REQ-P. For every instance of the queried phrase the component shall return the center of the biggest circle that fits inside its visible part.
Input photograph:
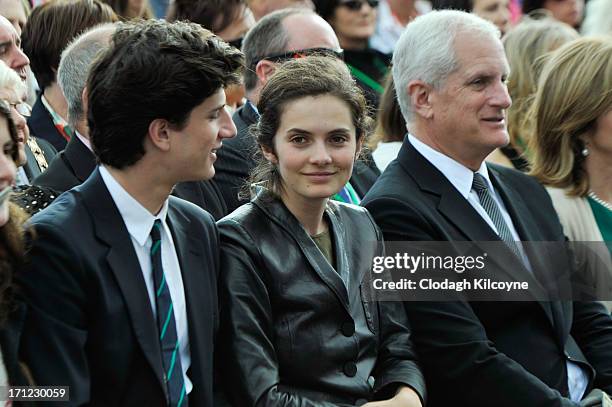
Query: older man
(450, 73)
(277, 37)
(73, 165)
(121, 283)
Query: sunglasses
(301, 53)
(356, 5)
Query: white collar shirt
(139, 222)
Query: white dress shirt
(462, 177)
(139, 222)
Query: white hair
(425, 51)
(597, 21)
(75, 63)
(9, 79)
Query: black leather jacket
(292, 333)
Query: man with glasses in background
(277, 37)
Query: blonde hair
(524, 44)
(575, 89)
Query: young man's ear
(419, 93)
(160, 134)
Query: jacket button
(350, 369)
(348, 328)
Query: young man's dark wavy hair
(153, 70)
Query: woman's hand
(405, 397)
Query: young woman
(11, 255)
(299, 327)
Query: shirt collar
(138, 220)
(459, 175)
(84, 140)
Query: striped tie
(479, 184)
(168, 339)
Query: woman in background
(572, 144)
(390, 128)
(354, 22)
(567, 11)
(11, 256)
(495, 11)
(524, 45)
(300, 328)
(129, 9)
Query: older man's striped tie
(168, 338)
(479, 184)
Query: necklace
(600, 201)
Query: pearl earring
(585, 152)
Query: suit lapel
(459, 212)
(194, 283)
(523, 221)
(80, 158)
(124, 265)
(277, 211)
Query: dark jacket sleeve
(592, 330)
(464, 356)
(396, 363)
(55, 330)
(250, 363)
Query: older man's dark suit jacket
(490, 353)
(90, 325)
(41, 125)
(32, 168)
(236, 161)
(73, 166)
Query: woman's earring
(585, 152)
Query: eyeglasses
(22, 108)
(356, 5)
(301, 53)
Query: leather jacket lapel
(279, 213)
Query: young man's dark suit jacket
(235, 161)
(41, 125)
(90, 325)
(490, 353)
(73, 166)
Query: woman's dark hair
(296, 79)
(463, 5)
(11, 234)
(121, 8)
(530, 5)
(326, 8)
(390, 122)
(153, 70)
(52, 26)
(214, 15)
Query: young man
(122, 279)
